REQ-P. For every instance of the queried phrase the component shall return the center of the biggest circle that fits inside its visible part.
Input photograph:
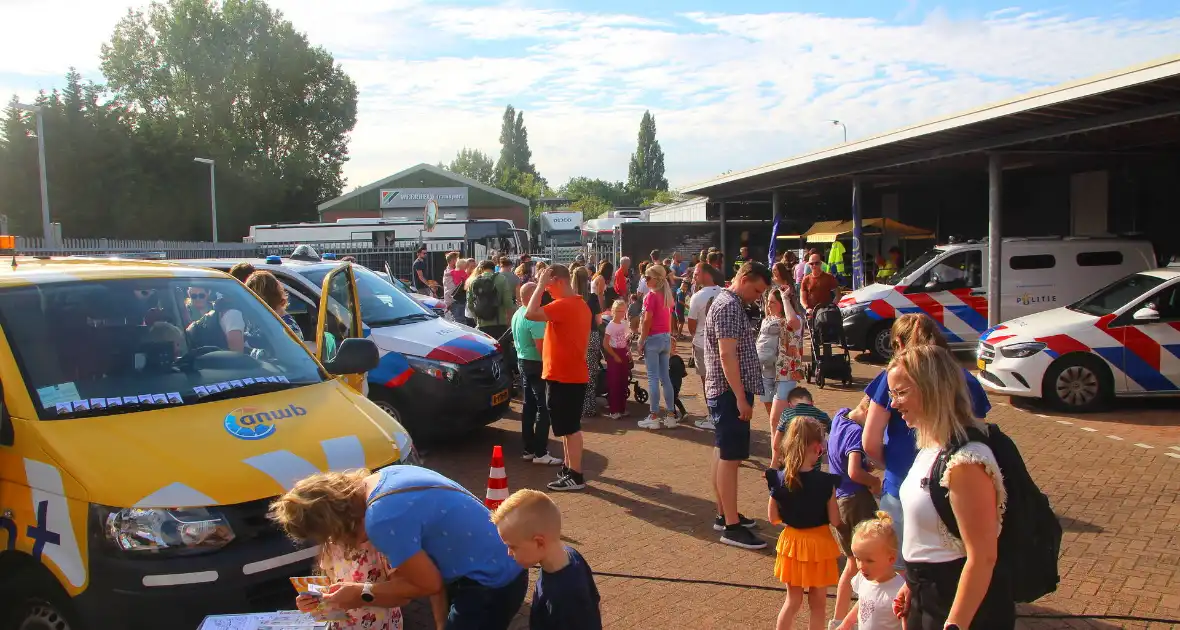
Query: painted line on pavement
(1175, 455)
(1175, 448)
(1142, 445)
(1041, 415)
(1115, 437)
(1089, 429)
(1064, 422)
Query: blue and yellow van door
(339, 318)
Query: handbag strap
(420, 489)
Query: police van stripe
(175, 495)
(54, 526)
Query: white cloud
(729, 91)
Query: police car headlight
(167, 531)
(1022, 350)
(849, 311)
(437, 369)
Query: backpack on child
(1030, 539)
(485, 298)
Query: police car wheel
(1078, 383)
(388, 408)
(880, 341)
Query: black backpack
(485, 298)
(1030, 539)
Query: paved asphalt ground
(645, 521)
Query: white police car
(1122, 340)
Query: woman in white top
(951, 582)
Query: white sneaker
(650, 422)
(706, 424)
(614, 416)
(527, 457)
(548, 460)
(671, 421)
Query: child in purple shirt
(855, 493)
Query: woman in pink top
(656, 341)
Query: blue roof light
(274, 260)
(329, 256)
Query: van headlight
(853, 309)
(165, 531)
(1022, 350)
(441, 370)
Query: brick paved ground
(1113, 479)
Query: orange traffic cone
(497, 480)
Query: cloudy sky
(732, 84)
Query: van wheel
(881, 341)
(1077, 383)
(388, 408)
(30, 607)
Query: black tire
(35, 605)
(640, 394)
(1078, 383)
(879, 341)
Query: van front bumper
(248, 575)
(1011, 377)
(856, 330)
(432, 408)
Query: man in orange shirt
(622, 282)
(563, 366)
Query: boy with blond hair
(565, 597)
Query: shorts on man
(732, 434)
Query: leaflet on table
(291, 620)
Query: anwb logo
(254, 423)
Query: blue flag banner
(772, 250)
(858, 259)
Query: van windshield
(1114, 296)
(913, 266)
(382, 304)
(103, 347)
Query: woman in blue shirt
(435, 534)
(886, 437)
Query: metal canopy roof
(1073, 118)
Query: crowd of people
(902, 562)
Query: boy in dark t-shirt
(565, 597)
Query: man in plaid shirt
(733, 376)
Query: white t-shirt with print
(875, 602)
(618, 334)
(232, 320)
(925, 538)
(697, 310)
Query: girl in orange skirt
(803, 498)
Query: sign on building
(417, 197)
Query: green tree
(614, 193)
(646, 171)
(235, 82)
(475, 164)
(514, 144)
(592, 207)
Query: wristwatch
(367, 595)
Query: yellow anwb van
(142, 438)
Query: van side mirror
(354, 356)
(1146, 314)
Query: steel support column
(858, 259)
(995, 182)
(722, 246)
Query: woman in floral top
(365, 564)
(788, 365)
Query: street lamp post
(842, 126)
(46, 227)
(212, 192)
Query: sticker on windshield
(114, 402)
(65, 407)
(221, 387)
(174, 398)
(247, 381)
(160, 399)
(98, 403)
(130, 400)
(282, 379)
(54, 394)
(81, 405)
(145, 399)
(201, 391)
(235, 384)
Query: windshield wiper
(253, 389)
(403, 319)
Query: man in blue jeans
(733, 376)
(528, 337)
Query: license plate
(981, 364)
(499, 397)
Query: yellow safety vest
(836, 256)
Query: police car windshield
(102, 347)
(382, 304)
(913, 266)
(1112, 297)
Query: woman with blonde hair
(580, 283)
(951, 582)
(655, 339)
(887, 440)
(266, 286)
(454, 547)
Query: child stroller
(636, 389)
(827, 328)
